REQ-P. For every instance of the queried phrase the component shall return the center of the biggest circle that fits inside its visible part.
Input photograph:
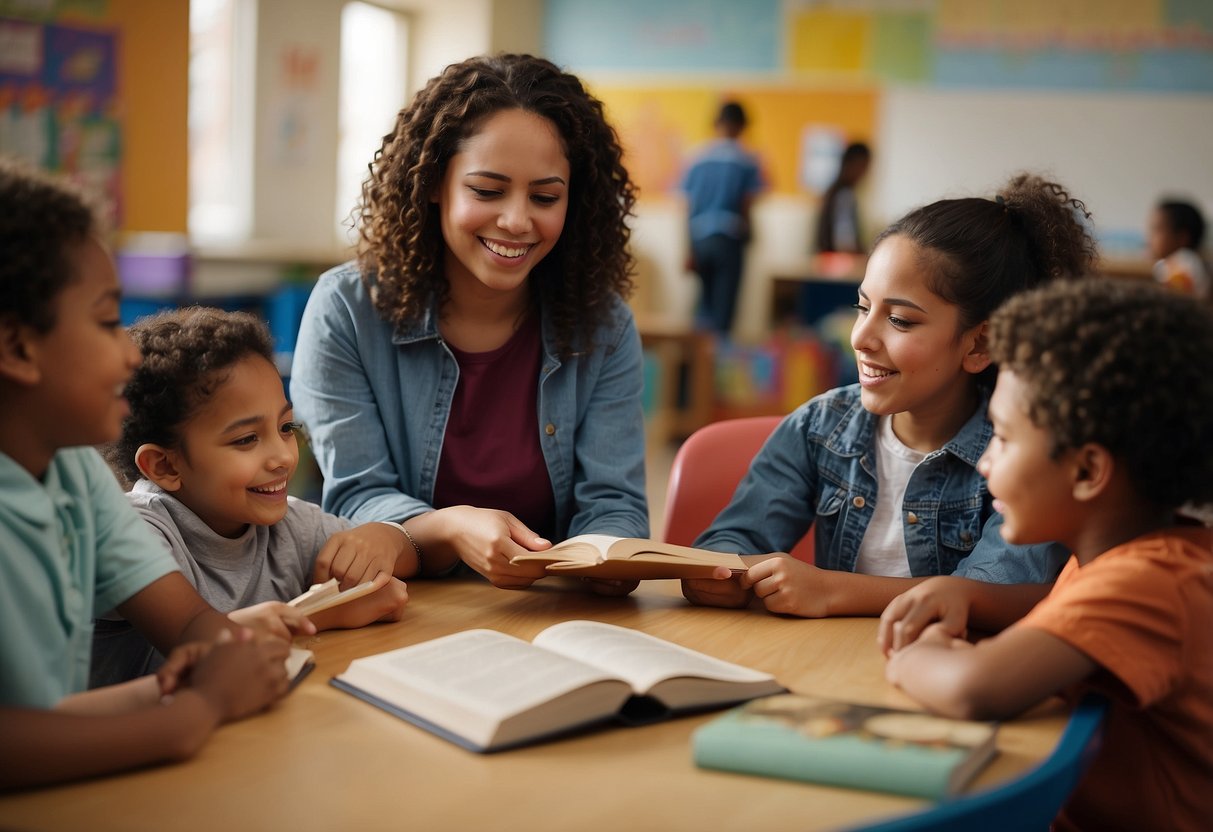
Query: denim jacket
(819, 468)
(375, 401)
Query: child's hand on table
(942, 599)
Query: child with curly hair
(208, 449)
(1102, 430)
(884, 471)
(70, 545)
(476, 374)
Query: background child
(210, 446)
(1176, 232)
(720, 185)
(884, 470)
(1102, 429)
(70, 543)
(476, 374)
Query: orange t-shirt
(1144, 613)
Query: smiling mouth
(503, 250)
(872, 371)
(276, 488)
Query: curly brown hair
(43, 221)
(1120, 363)
(401, 245)
(186, 353)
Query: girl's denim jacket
(375, 402)
(819, 468)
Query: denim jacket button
(911, 518)
(549, 429)
(858, 502)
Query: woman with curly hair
(475, 374)
(884, 471)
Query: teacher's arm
(335, 398)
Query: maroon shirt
(491, 456)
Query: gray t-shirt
(266, 563)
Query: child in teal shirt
(70, 543)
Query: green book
(799, 737)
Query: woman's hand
(486, 539)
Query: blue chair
(1030, 802)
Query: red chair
(705, 473)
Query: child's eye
(247, 439)
(291, 427)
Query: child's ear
(977, 357)
(17, 354)
(1093, 468)
(158, 464)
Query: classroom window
(222, 37)
(374, 66)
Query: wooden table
(325, 760)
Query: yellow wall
(660, 126)
(153, 87)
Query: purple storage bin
(153, 275)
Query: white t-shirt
(883, 551)
(1185, 272)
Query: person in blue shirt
(884, 472)
(720, 186)
(476, 374)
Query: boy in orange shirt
(1103, 420)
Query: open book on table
(845, 744)
(485, 690)
(629, 558)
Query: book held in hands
(799, 737)
(629, 558)
(485, 690)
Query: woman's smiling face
(503, 201)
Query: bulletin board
(58, 108)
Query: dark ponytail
(978, 252)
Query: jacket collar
(855, 432)
(426, 329)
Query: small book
(836, 743)
(299, 663)
(322, 596)
(485, 690)
(629, 558)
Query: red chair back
(705, 473)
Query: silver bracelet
(416, 548)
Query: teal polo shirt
(70, 547)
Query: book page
(483, 671)
(578, 550)
(641, 659)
